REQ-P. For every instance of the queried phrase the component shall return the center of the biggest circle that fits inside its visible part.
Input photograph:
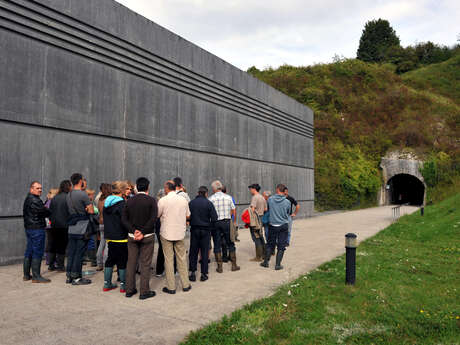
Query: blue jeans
(289, 230)
(35, 243)
(75, 251)
(277, 237)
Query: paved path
(61, 314)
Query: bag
(245, 217)
(92, 227)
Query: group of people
(126, 219)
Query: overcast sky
(296, 32)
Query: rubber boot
(51, 260)
(122, 274)
(224, 253)
(233, 259)
(256, 258)
(108, 279)
(268, 254)
(60, 262)
(36, 277)
(219, 262)
(279, 258)
(27, 263)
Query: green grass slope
(407, 292)
(442, 78)
(362, 110)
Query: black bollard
(422, 210)
(350, 245)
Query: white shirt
(173, 211)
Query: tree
(377, 37)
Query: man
(174, 212)
(266, 194)
(59, 232)
(80, 208)
(292, 213)
(180, 188)
(258, 206)
(202, 219)
(139, 217)
(225, 208)
(34, 212)
(280, 209)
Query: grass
(407, 292)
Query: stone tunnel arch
(402, 181)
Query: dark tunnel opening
(406, 189)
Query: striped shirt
(223, 203)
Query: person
(180, 189)
(59, 230)
(266, 194)
(223, 244)
(51, 194)
(116, 235)
(139, 218)
(80, 208)
(174, 212)
(92, 242)
(280, 209)
(258, 206)
(34, 212)
(203, 215)
(225, 207)
(102, 250)
(292, 214)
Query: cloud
(296, 32)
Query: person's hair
(285, 189)
(281, 187)
(202, 190)
(119, 187)
(90, 191)
(32, 183)
(177, 181)
(106, 190)
(216, 185)
(76, 178)
(142, 184)
(255, 186)
(52, 193)
(170, 185)
(267, 192)
(184, 189)
(64, 186)
(224, 189)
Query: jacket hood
(278, 198)
(111, 201)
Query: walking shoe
(187, 288)
(166, 290)
(147, 295)
(131, 293)
(81, 281)
(192, 276)
(204, 277)
(110, 288)
(233, 259)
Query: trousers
(199, 241)
(143, 251)
(35, 243)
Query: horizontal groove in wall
(144, 65)
(216, 153)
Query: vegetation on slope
(400, 296)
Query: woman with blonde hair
(116, 235)
(105, 192)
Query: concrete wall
(90, 86)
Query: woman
(116, 235)
(106, 190)
(51, 194)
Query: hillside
(362, 110)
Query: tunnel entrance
(405, 188)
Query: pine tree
(375, 40)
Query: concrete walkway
(61, 314)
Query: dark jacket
(203, 213)
(34, 212)
(59, 211)
(113, 227)
(140, 213)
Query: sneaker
(81, 281)
(69, 280)
(147, 295)
(112, 287)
